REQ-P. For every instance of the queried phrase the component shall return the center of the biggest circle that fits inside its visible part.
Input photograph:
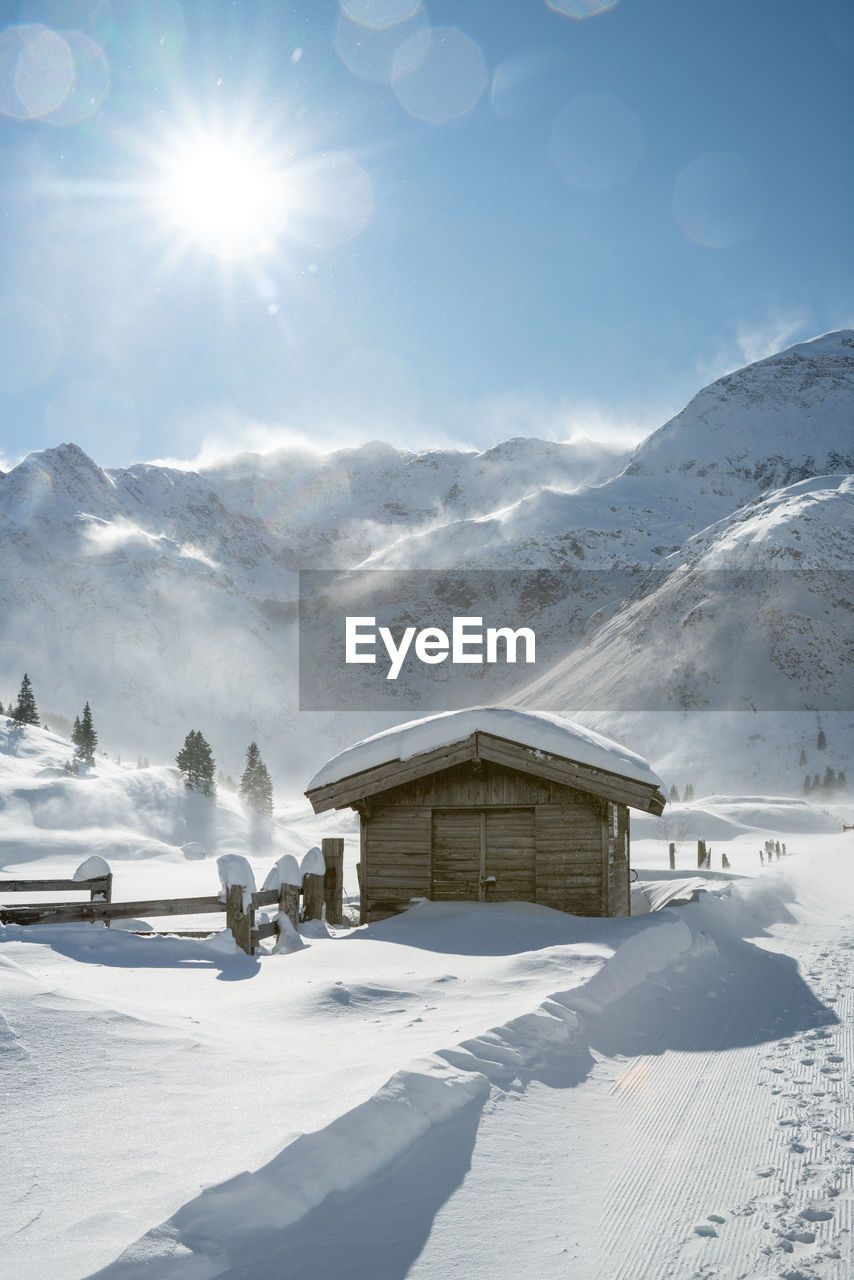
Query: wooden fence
(319, 893)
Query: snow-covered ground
(490, 1090)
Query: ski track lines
(754, 1146)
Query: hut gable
(491, 804)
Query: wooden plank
(265, 898)
(240, 922)
(333, 880)
(289, 902)
(79, 912)
(571, 773)
(269, 929)
(98, 885)
(312, 897)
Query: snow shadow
(89, 944)
(375, 1231)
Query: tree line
(195, 759)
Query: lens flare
(597, 142)
(379, 14)
(60, 77)
(718, 200)
(581, 8)
(439, 75)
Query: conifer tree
(803, 759)
(196, 762)
(26, 711)
(84, 737)
(674, 794)
(807, 785)
(256, 789)
(821, 741)
(689, 793)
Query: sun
(223, 193)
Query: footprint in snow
(814, 1214)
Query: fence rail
(320, 893)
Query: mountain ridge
(168, 596)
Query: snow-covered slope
(756, 617)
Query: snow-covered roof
(537, 729)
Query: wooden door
(510, 856)
(456, 855)
(486, 854)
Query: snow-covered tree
(196, 762)
(674, 794)
(807, 785)
(25, 710)
(256, 789)
(689, 793)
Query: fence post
(333, 880)
(672, 852)
(289, 902)
(312, 897)
(240, 922)
(103, 895)
(701, 852)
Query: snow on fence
(318, 881)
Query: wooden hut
(491, 804)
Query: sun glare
(223, 194)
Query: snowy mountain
(775, 422)
(167, 597)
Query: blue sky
(225, 225)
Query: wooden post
(672, 852)
(332, 848)
(701, 853)
(240, 922)
(103, 895)
(724, 862)
(312, 897)
(362, 904)
(289, 902)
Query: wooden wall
(545, 843)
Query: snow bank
(719, 817)
(234, 869)
(538, 729)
